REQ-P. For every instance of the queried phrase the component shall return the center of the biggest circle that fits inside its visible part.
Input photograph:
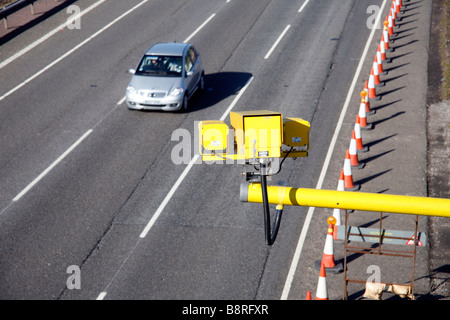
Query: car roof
(169, 49)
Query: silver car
(165, 78)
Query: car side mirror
(189, 73)
(132, 71)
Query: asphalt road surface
(82, 176)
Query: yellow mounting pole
(347, 200)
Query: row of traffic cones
(345, 183)
(369, 94)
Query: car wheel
(185, 103)
(201, 83)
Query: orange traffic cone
(380, 61)
(359, 144)
(337, 216)
(322, 293)
(348, 177)
(383, 49)
(341, 184)
(354, 161)
(391, 27)
(328, 251)
(398, 10)
(371, 86)
(363, 116)
(393, 13)
(376, 74)
(364, 94)
(386, 38)
(308, 295)
(337, 211)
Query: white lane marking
(72, 50)
(186, 171)
(225, 114)
(199, 28)
(121, 101)
(168, 197)
(277, 42)
(172, 191)
(48, 35)
(54, 164)
(301, 240)
(303, 6)
(101, 296)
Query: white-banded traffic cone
(391, 28)
(363, 114)
(354, 161)
(341, 183)
(321, 292)
(337, 211)
(380, 61)
(328, 260)
(337, 216)
(376, 74)
(365, 94)
(371, 86)
(393, 14)
(386, 39)
(349, 185)
(382, 47)
(397, 10)
(359, 143)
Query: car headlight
(177, 91)
(131, 90)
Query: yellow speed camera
(253, 135)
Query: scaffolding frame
(379, 250)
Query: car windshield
(162, 66)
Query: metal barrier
(16, 6)
(381, 238)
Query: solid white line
(303, 6)
(278, 41)
(54, 164)
(168, 197)
(71, 50)
(48, 35)
(199, 28)
(301, 240)
(186, 171)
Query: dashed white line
(54, 164)
(186, 170)
(303, 6)
(277, 42)
(121, 101)
(199, 28)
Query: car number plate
(154, 102)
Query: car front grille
(152, 94)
